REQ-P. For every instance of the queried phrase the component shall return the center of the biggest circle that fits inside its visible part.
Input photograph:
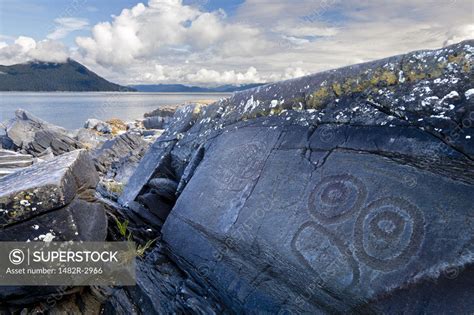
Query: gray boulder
(157, 161)
(118, 158)
(163, 111)
(32, 135)
(98, 125)
(54, 200)
(155, 122)
(348, 191)
(50, 201)
(164, 187)
(90, 138)
(160, 118)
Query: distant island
(48, 77)
(181, 88)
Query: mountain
(180, 88)
(46, 76)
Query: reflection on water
(71, 109)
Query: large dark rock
(164, 187)
(155, 122)
(160, 118)
(78, 221)
(32, 135)
(162, 288)
(50, 201)
(345, 191)
(157, 161)
(117, 158)
(45, 186)
(163, 111)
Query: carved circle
(336, 197)
(388, 232)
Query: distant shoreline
(70, 110)
(118, 92)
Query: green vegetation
(123, 230)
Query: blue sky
(209, 42)
(35, 18)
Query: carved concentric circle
(336, 197)
(388, 233)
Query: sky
(216, 42)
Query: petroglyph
(317, 248)
(388, 232)
(335, 198)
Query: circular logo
(16, 256)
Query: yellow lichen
(117, 125)
(318, 98)
(337, 88)
(389, 78)
(414, 76)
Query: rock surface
(98, 125)
(348, 191)
(32, 135)
(10, 162)
(160, 117)
(157, 161)
(117, 158)
(52, 200)
(162, 288)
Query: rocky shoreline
(347, 191)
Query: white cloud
(169, 42)
(165, 28)
(66, 25)
(226, 77)
(458, 34)
(26, 49)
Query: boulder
(162, 288)
(348, 191)
(155, 122)
(164, 187)
(163, 111)
(70, 223)
(157, 159)
(90, 138)
(5, 142)
(118, 126)
(98, 125)
(157, 205)
(52, 200)
(32, 135)
(160, 117)
(118, 158)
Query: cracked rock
(347, 191)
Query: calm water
(71, 110)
